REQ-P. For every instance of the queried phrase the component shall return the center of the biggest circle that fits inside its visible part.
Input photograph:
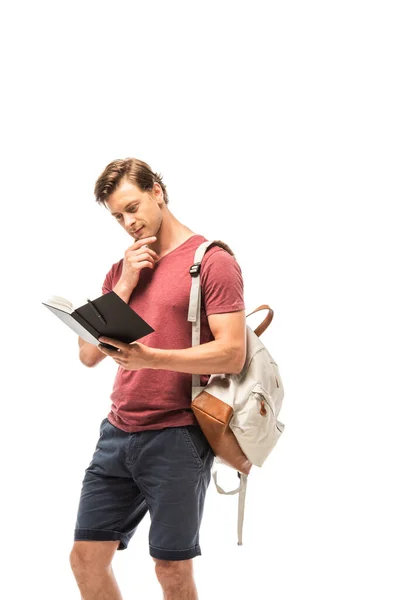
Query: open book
(107, 316)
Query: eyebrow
(127, 206)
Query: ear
(158, 193)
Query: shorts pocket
(197, 443)
(103, 423)
(103, 427)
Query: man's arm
(137, 257)
(225, 354)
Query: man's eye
(130, 209)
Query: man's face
(139, 213)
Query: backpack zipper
(264, 401)
(263, 410)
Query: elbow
(88, 361)
(239, 361)
(90, 355)
(239, 368)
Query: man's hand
(129, 356)
(137, 257)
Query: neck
(171, 234)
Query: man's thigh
(111, 505)
(173, 471)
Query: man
(152, 455)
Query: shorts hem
(101, 535)
(163, 554)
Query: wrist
(154, 360)
(123, 290)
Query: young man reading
(151, 454)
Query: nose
(129, 221)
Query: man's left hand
(129, 356)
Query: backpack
(237, 412)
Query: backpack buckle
(195, 269)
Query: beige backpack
(237, 412)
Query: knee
(78, 560)
(91, 556)
(172, 573)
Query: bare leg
(176, 579)
(91, 564)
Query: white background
(275, 126)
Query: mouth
(135, 233)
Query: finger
(145, 250)
(103, 346)
(139, 243)
(152, 253)
(104, 350)
(112, 342)
(144, 257)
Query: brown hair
(134, 170)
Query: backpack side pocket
(255, 425)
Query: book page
(61, 303)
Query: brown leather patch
(213, 416)
(213, 406)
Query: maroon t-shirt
(157, 398)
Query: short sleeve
(221, 283)
(108, 282)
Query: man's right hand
(137, 258)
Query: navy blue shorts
(164, 471)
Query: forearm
(123, 290)
(209, 358)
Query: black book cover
(121, 321)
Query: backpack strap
(241, 490)
(263, 326)
(195, 301)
